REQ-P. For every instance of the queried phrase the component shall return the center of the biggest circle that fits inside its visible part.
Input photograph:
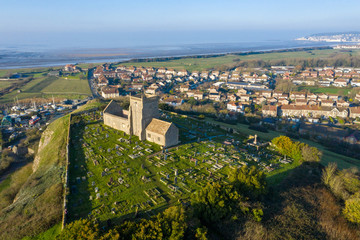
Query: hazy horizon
(90, 24)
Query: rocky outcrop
(44, 141)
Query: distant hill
(332, 37)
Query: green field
(68, 86)
(198, 64)
(327, 90)
(5, 84)
(46, 87)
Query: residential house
(324, 83)
(354, 112)
(340, 82)
(333, 97)
(297, 95)
(322, 96)
(355, 82)
(161, 70)
(215, 73)
(234, 106)
(182, 73)
(184, 88)
(175, 102)
(136, 86)
(327, 103)
(109, 92)
(71, 68)
(214, 96)
(309, 82)
(170, 72)
(131, 69)
(357, 97)
(277, 93)
(313, 102)
(283, 101)
(224, 77)
(259, 100)
(312, 96)
(244, 98)
(301, 102)
(204, 74)
(312, 111)
(152, 90)
(266, 94)
(342, 103)
(213, 90)
(195, 74)
(269, 110)
(244, 91)
(195, 94)
(102, 81)
(232, 97)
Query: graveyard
(116, 176)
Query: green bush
(351, 210)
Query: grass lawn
(67, 86)
(327, 90)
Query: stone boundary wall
(67, 162)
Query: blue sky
(35, 19)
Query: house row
(310, 111)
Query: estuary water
(28, 56)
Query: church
(142, 120)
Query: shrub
(351, 210)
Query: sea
(17, 55)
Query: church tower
(141, 111)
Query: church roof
(158, 126)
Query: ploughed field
(116, 176)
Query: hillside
(37, 189)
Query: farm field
(47, 87)
(198, 64)
(115, 176)
(5, 84)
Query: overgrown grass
(11, 186)
(5, 183)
